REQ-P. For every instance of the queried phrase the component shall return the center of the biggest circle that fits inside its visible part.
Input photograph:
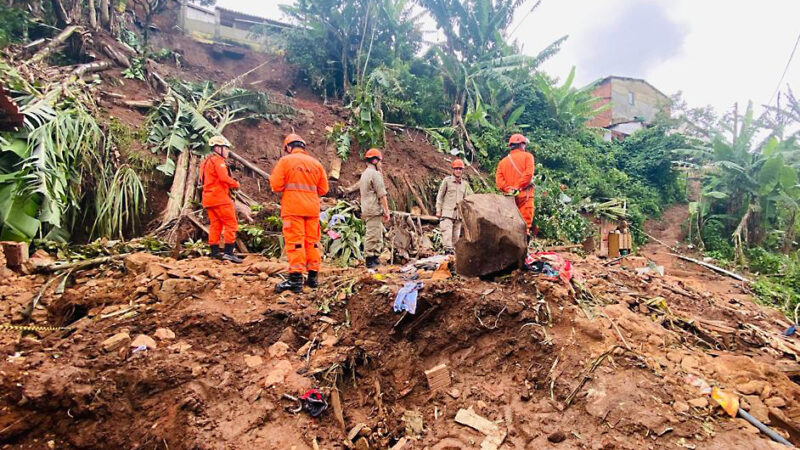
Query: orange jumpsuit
(217, 200)
(515, 171)
(302, 180)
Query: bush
(716, 239)
(14, 25)
(764, 262)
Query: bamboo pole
(713, 267)
(80, 265)
(57, 41)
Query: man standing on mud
(452, 190)
(301, 180)
(515, 177)
(374, 206)
(217, 184)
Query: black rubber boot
(312, 281)
(294, 284)
(215, 251)
(372, 262)
(229, 256)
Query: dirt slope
(520, 352)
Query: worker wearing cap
(374, 206)
(215, 177)
(301, 180)
(515, 177)
(452, 190)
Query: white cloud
(718, 51)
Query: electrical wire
(785, 70)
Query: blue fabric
(790, 331)
(406, 299)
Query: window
(630, 98)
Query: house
(634, 105)
(227, 25)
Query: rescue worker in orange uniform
(217, 200)
(515, 177)
(301, 180)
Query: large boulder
(493, 235)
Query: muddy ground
(601, 363)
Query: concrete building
(226, 25)
(634, 105)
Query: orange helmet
(457, 164)
(373, 153)
(290, 139)
(517, 139)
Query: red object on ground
(10, 118)
(556, 261)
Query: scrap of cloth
(406, 299)
(560, 268)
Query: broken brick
(16, 253)
(438, 377)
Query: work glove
(512, 193)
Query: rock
(493, 239)
(278, 349)
(753, 387)
(775, 402)
(690, 363)
(557, 437)
(145, 340)
(675, 357)
(175, 288)
(699, 402)
(253, 361)
(757, 408)
(278, 373)
(39, 259)
(362, 444)
(680, 407)
(116, 341)
(138, 262)
(455, 393)
(413, 420)
(16, 253)
(288, 336)
(304, 349)
(164, 334)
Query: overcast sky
(716, 51)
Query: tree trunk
(61, 13)
(104, 14)
(96, 66)
(55, 43)
(788, 237)
(250, 165)
(92, 15)
(178, 190)
(191, 182)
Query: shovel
(730, 403)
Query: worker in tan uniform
(452, 190)
(374, 206)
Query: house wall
(647, 101)
(603, 119)
(205, 23)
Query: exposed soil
(520, 351)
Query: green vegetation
(47, 167)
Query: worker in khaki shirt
(374, 206)
(452, 190)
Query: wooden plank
(336, 404)
(438, 377)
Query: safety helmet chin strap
(220, 153)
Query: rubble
(144, 340)
(116, 342)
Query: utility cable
(785, 70)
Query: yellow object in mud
(9, 327)
(728, 402)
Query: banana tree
(568, 108)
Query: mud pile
(599, 363)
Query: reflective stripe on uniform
(301, 187)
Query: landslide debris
(199, 354)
